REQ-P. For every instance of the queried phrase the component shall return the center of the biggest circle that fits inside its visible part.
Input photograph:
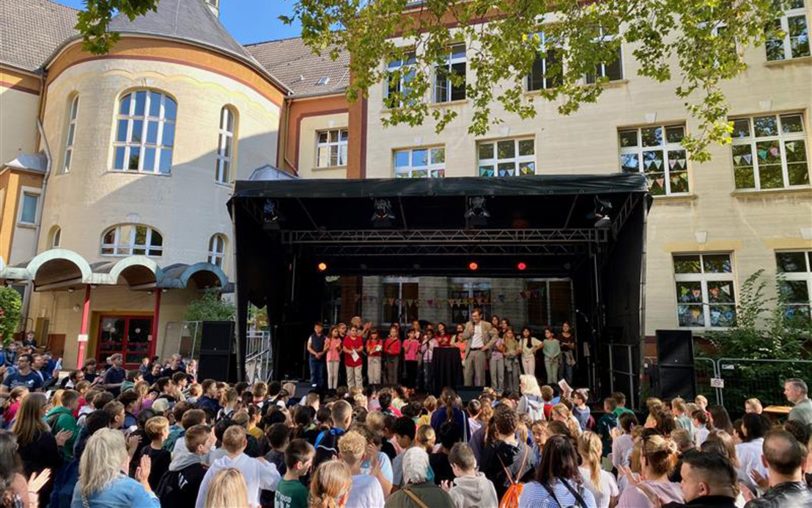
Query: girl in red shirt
(353, 347)
(391, 351)
(374, 349)
(411, 350)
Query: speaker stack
(217, 357)
(675, 364)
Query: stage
(538, 249)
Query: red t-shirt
(392, 346)
(371, 345)
(356, 343)
(444, 340)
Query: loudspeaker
(217, 359)
(675, 348)
(469, 393)
(675, 364)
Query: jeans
(497, 366)
(316, 372)
(512, 371)
(332, 375)
(551, 364)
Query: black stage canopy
(587, 227)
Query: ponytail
(590, 448)
(448, 398)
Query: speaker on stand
(675, 364)
(217, 357)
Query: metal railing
(182, 337)
(258, 356)
(623, 377)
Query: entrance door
(127, 335)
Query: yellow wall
(307, 145)
(17, 242)
(19, 100)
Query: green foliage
(698, 43)
(10, 307)
(210, 307)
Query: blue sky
(246, 20)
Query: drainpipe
(644, 211)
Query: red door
(128, 335)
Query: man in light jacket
(480, 336)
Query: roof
(295, 64)
(32, 162)
(30, 31)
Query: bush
(210, 307)
(10, 306)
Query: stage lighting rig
(383, 217)
(270, 214)
(477, 215)
(601, 213)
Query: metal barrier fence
(729, 382)
(623, 368)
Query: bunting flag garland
(737, 159)
(748, 158)
(774, 151)
(762, 154)
(790, 146)
(672, 163)
(659, 164)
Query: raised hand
(62, 437)
(37, 481)
(144, 468)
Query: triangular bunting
(672, 163)
(737, 159)
(659, 164)
(790, 146)
(748, 158)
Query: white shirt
(476, 339)
(258, 474)
(603, 493)
(366, 492)
(749, 455)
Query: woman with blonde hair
(101, 481)
(531, 403)
(227, 489)
(601, 483)
(753, 406)
(658, 456)
(561, 413)
(330, 485)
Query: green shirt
(620, 410)
(290, 494)
(551, 348)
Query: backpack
(514, 492)
(578, 499)
(168, 486)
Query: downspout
(239, 323)
(644, 210)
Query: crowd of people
(103, 436)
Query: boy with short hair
(700, 422)
(470, 488)
(178, 487)
(291, 493)
(157, 430)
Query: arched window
(55, 238)
(217, 250)
(145, 133)
(131, 239)
(225, 145)
(69, 138)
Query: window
(464, 295)
(130, 239)
(400, 300)
(705, 296)
(400, 74)
(217, 250)
(507, 157)
(145, 133)
(769, 152)
(549, 301)
(795, 283)
(788, 36)
(74, 107)
(454, 65)
(420, 163)
(658, 153)
(546, 58)
(55, 237)
(225, 145)
(610, 71)
(28, 208)
(331, 149)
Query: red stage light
(322, 266)
(473, 266)
(521, 266)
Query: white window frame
(217, 250)
(665, 147)
(70, 134)
(406, 66)
(517, 160)
(34, 193)
(433, 168)
(786, 40)
(340, 146)
(542, 50)
(129, 145)
(805, 276)
(704, 278)
(782, 138)
(226, 145)
(605, 37)
(448, 65)
(55, 238)
(120, 248)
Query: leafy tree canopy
(697, 43)
(10, 308)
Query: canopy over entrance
(290, 235)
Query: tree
(10, 306)
(210, 307)
(698, 42)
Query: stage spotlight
(270, 214)
(383, 217)
(521, 266)
(473, 266)
(322, 266)
(601, 213)
(477, 214)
